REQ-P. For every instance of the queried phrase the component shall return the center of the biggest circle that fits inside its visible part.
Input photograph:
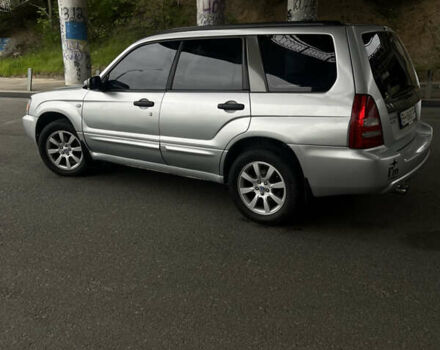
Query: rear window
(391, 66)
(298, 63)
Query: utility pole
(76, 52)
(210, 12)
(302, 10)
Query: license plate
(407, 117)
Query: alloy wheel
(64, 150)
(262, 188)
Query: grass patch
(44, 61)
(48, 60)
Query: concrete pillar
(210, 12)
(76, 52)
(302, 10)
(5, 5)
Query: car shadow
(357, 216)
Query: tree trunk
(49, 11)
(76, 52)
(210, 12)
(302, 10)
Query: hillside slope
(416, 21)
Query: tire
(62, 151)
(279, 189)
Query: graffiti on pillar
(8, 47)
(210, 12)
(4, 43)
(301, 10)
(72, 14)
(77, 64)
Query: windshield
(392, 68)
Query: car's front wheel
(265, 186)
(61, 149)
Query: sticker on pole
(76, 30)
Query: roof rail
(254, 25)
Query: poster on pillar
(76, 52)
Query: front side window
(298, 63)
(210, 64)
(145, 68)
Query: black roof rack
(254, 25)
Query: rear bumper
(341, 170)
(30, 124)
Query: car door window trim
(245, 68)
(174, 67)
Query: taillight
(365, 126)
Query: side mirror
(94, 83)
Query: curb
(17, 94)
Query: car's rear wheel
(62, 150)
(266, 187)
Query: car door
(123, 119)
(207, 104)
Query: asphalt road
(131, 259)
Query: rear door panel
(194, 126)
(194, 131)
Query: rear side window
(210, 64)
(145, 68)
(298, 63)
(390, 64)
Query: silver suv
(273, 110)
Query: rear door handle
(144, 103)
(231, 106)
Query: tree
(302, 10)
(210, 12)
(45, 11)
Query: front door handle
(144, 103)
(231, 106)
